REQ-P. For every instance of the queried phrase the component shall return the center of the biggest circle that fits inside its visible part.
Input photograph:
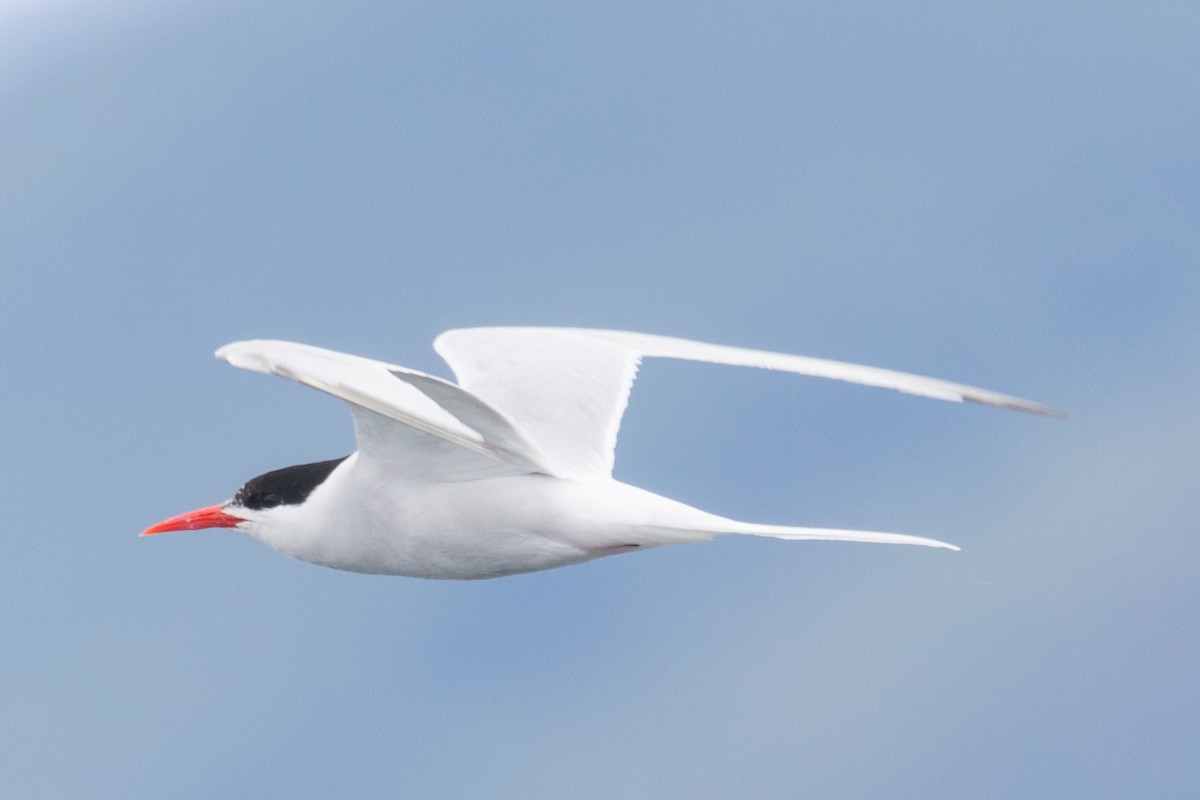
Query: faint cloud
(37, 36)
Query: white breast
(365, 520)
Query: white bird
(508, 471)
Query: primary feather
(569, 386)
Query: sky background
(1003, 194)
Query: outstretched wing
(423, 427)
(568, 387)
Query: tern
(507, 471)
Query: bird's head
(262, 502)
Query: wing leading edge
(423, 426)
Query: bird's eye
(270, 500)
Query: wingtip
(986, 398)
(1039, 409)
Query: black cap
(284, 487)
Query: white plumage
(508, 471)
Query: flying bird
(510, 469)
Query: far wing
(422, 426)
(568, 387)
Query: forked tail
(833, 534)
(666, 521)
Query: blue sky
(1004, 195)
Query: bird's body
(508, 472)
(362, 522)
